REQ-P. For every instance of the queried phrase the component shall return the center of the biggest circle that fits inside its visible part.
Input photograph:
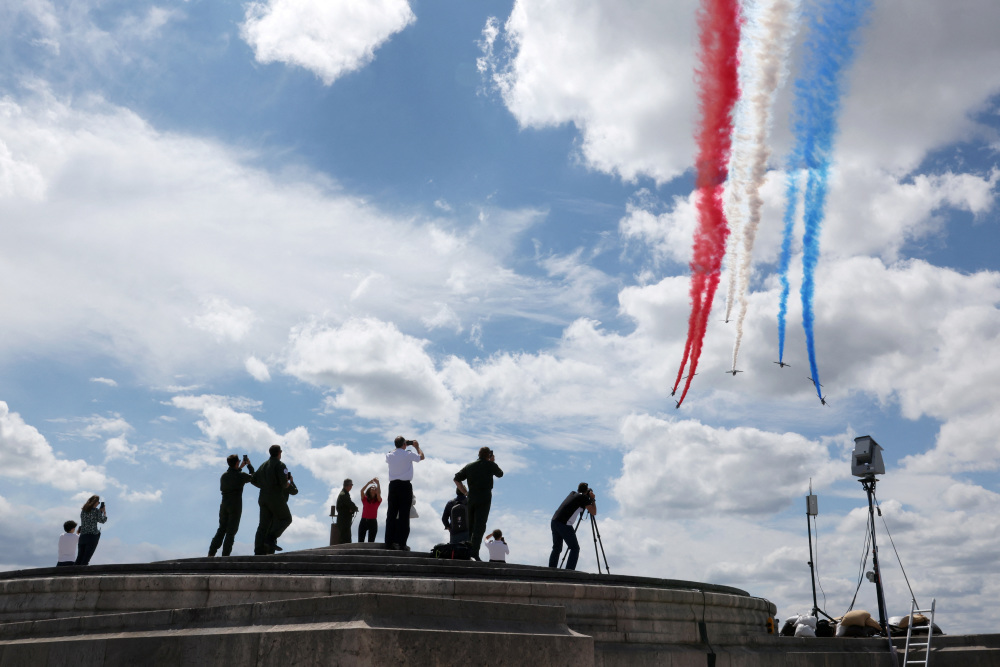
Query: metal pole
(812, 571)
(869, 486)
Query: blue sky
(229, 225)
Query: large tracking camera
(866, 459)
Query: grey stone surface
(360, 604)
(348, 630)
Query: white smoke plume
(767, 33)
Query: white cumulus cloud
(26, 454)
(326, 38)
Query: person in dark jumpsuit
(346, 509)
(273, 480)
(231, 484)
(480, 474)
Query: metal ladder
(916, 646)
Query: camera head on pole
(866, 459)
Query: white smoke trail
(769, 30)
(734, 197)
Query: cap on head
(274, 450)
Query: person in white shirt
(397, 523)
(67, 545)
(497, 547)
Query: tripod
(595, 531)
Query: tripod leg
(593, 531)
(597, 532)
(566, 553)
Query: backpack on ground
(460, 551)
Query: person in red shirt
(371, 498)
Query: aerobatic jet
(822, 399)
(734, 372)
(813, 381)
(781, 364)
(682, 380)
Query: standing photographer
(584, 498)
(231, 509)
(480, 474)
(91, 514)
(397, 523)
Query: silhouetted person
(456, 518)
(480, 474)
(346, 509)
(273, 480)
(231, 509)
(91, 514)
(583, 497)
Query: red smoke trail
(719, 37)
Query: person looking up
(67, 545)
(397, 523)
(231, 509)
(497, 546)
(91, 514)
(371, 498)
(480, 474)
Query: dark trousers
(274, 518)
(369, 526)
(397, 523)
(478, 515)
(63, 563)
(229, 523)
(344, 528)
(564, 532)
(86, 547)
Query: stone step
(365, 560)
(348, 629)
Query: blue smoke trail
(830, 49)
(791, 197)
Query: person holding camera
(91, 514)
(583, 498)
(397, 523)
(274, 482)
(371, 498)
(497, 547)
(480, 474)
(231, 510)
(346, 509)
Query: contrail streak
(771, 27)
(719, 36)
(829, 50)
